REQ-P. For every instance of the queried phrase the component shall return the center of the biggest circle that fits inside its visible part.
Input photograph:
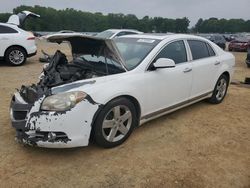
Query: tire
(118, 126)
(15, 56)
(220, 90)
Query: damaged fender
(41, 127)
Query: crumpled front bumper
(52, 129)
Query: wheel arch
(227, 74)
(128, 97)
(18, 46)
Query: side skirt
(173, 108)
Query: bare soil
(202, 145)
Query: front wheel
(220, 90)
(115, 123)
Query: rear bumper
(32, 54)
(31, 50)
(239, 49)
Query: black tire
(248, 65)
(106, 114)
(215, 99)
(21, 56)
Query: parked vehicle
(16, 44)
(229, 37)
(239, 45)
(113, 86)
(216, 38)
(113, 33)
(248, 57)
(219, 40)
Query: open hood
(83, 44)
(21, 17)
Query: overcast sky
(193, 9)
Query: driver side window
(175, 51)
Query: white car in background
(16, 44)
(113, 86)
(113, 33)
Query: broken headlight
(62, 101)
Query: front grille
(19, 115)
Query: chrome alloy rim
(117, 123)
(221, 89)
(16, 57)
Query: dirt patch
(199, 146)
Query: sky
(193, 9)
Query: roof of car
(118, 30)
(161, 36)
(10, 25)
(6, 24)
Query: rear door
(205, 64)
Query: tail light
(31, 38)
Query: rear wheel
(15, 56)
(115, 123)
(220, 90)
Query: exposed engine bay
(92, 57)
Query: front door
(169, 87)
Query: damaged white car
(111, 87)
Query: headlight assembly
(62, 101)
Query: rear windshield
(105, 34)
(134, 50)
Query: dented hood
(21, 17)
(83, 44)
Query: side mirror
(164, 63)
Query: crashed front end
(55, 129)
(56, 112)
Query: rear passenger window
(175, 51)
(6, 30)
(199, 49)
(210, 50)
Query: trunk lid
(21, 17)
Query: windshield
(99, 64)
(105, 34)
(134, 50)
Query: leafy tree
(71, 19)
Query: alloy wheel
(16, 57)
(117, 123)
(221, 89)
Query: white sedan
(113, 86)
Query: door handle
(217, 63)
(186, 70)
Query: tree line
(215, 25)
(71, 19)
